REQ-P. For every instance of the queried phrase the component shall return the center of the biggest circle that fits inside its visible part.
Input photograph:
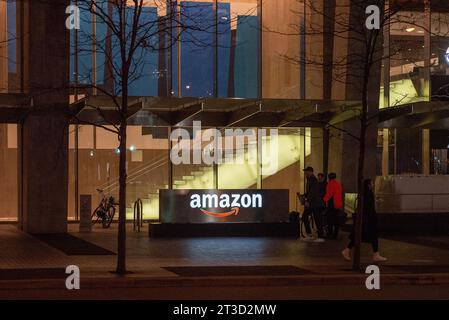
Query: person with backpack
(314, 206)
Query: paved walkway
(30, 268)
(148, 256)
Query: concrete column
(426, 151)
(385, 153)
(44, 136)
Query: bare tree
(357, 66)
(134, 29)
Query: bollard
(138, 215)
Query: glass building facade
(238, 49)
(226, 48)
(9, 83)
(415, 70)
(229, 49)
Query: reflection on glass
(238, 53)
(239, 169)
(439, 63)
(98, 49)
(147, 167)
(197, 48)
(196, 168)
(8, 172)
(286, 151)
(9, 81)
(409, 151)
(408, 81)
(281, 48)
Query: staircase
(238, 174)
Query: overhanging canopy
(423, 115)
(219, 112)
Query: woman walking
(369, 224)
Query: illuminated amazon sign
(203, 206)
(233, 201)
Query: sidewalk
(29, 263)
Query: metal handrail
(146, 168)
(136, 170)
(138, 215)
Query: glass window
(9, 81)
(82, 50)
(196, 153)
(439, 146)
(147, 166)
(8, 172)
(439, 63)
(239, 169)
(386, 153)
(98, 50)
(238, 53)
(282, 153)
(409, 151)
(281, 48)
(197, 48)
(408, 75)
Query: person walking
(313, 206)
(369, 224)
(334, 204)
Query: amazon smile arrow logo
(233, 212)
(207, 203)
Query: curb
(247, 281)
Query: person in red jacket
(334, 203)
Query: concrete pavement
(152, 261)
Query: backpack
(294, 216)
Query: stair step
(188, 178)
(178, 182)
(197, 173)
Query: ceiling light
(410, 29)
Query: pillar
(44, 132)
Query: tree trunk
(121, 238)
(360, 175)
(358, 223)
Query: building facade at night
(251, 70)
